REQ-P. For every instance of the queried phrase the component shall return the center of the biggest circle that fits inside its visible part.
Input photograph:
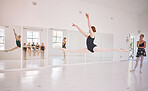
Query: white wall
(61, 14)
(144, 27)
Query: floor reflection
(75, 59)
(33, 63)
(50, 61)
(10, 64)
(111, 76)
(29, 77)
(59, 60)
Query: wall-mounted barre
(4, 26)
(32, 29)
(59, 29)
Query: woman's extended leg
(137, 60)
(11, 49)
(42, 54)
(29, 52)
(96, 49)
(84, 50)
(24, 55)
(33, 52)
(142, 57)
(38, 51)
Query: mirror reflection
(34, 47)
(10, 47)
(57, 38)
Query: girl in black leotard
(37, 46)
(141, 44)
(64, 45)
(18, 42)
(91, 47)
(33, 48)
(29, 49)
(42, 48)
(24, 51)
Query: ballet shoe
(132, 70)
(140, 72)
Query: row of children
(33, 49)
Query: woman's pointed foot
(5, 51)
(123, 50)
(140, 72)
(132, 70)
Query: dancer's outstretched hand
(74, 25)
(87, 16)
(14, 32)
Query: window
(57, 39)
(2, 42)
(33, 37)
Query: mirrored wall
(76, 42)
(10, 47)
(26, 47)
(34, 47)
(55, 40)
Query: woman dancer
(91, 47)
(37, 46)
(141, 44)
(64, 45)
(24, 51)
(42, 48)
(29, 49)
(18, 42)
(33, 48)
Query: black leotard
(37, 47)
(18, 43)
(90, 43)
(141, 45)
(64, 46)
(24, 48)
(33, 46)
(28, 47)
(42, 48)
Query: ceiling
(131, 6)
